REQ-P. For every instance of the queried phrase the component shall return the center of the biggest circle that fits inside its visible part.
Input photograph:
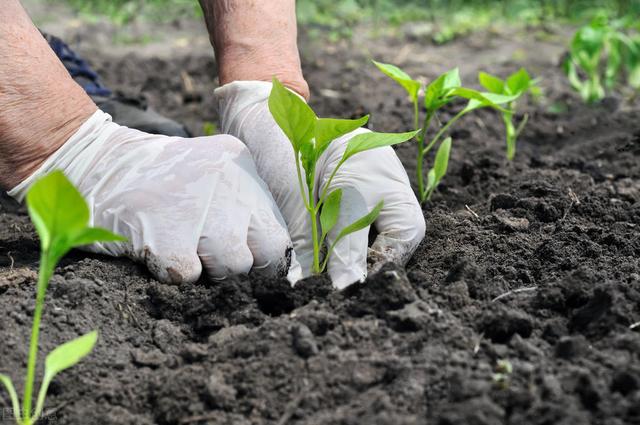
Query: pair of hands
(231, 204)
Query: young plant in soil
(440, 92)
(310, 137)
(516, 84)
(600, 54)
(60, 216)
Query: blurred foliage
(337, 15)
(455, 17)
(123, 11)
(604, 55)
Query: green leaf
(91, 235)
(431, 183)
(482, 100)
(519, 82)
(328, 129)
(357, 225)
(69, 354)
(61, 358)
(330, 211)
(361, 223)
(399, 76)
(442, 159)
(447, 81)
(60, 216)
(491, 83)
(292, 114)
(371, 140)
(13, 396)
(439, 169)
(451, 79)
(438, 93)
(484, 97)
(56, 208)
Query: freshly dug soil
(534, 262)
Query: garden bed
(534, 262)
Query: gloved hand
(366, 178)
(181, 203)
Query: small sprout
(439, 93)
(310, 137)
(60, 216)
(209, 128)
(502, 374)
(599, 55)
(516, 84)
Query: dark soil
(535, 262)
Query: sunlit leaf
(431, 181)
(442, 159)
(439, 90)
(91, 235)
(440, 165)
(519, 82)
(399, 76)
(69, 354)
(292, 114)
(56, 208)
(329, 129)
(371, 140)
(451, 79)
(482, 99)
(64, 357)
(330, 211)
(361, 223)
(491, 83)
(60, 216)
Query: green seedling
(60, 216)
(600, 54)
(310, 137)
(437, 94)
(516, 84)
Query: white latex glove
(181, 203)
(366, 178)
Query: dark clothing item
(132, 113)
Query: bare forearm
(255, 40)
(40, 104)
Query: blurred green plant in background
(604, 55)
(336, 15)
